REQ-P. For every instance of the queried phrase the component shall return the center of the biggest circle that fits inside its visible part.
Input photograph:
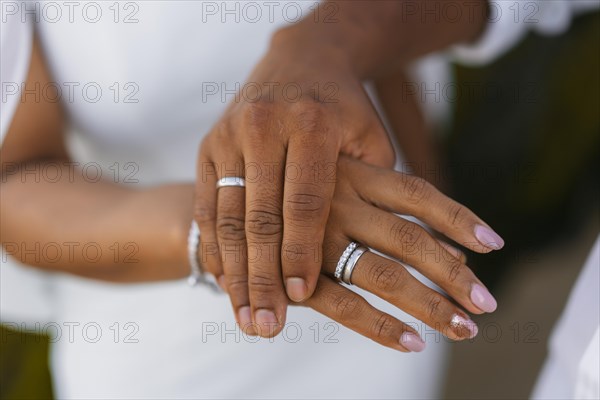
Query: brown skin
(75, 210)
(157, 219)
(363, 207)
(268, 131)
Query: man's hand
(283, 136)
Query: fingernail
(488, 237)
(483, 299)
(266, 321)
(458, 321)
(222, 283)
(296, 289)
(412, 342)
(245, 317)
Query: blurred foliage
(24, 372)
(525, 152)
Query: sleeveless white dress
(140, 92)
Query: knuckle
(453, 271)
(387, 277)
(405, 233)
(231, 228)
(415, 189)
(257, 117)
(433, 303)
(265, 222)
(262, 283)
(346, 306)
(310, 122)
(306, 207)
(382, 327)
(238, 288)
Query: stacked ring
(339, 269)
(352, 261)
(347, 262)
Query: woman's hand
(362, 211)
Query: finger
(456, 253)
(354, 312)
(264, 226)
(410, 243)
(309, 186)
(231, 236)
(406, 194)
(393, 283)
(205, 212)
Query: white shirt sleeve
(16, 38)
(510, 20)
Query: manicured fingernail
(458, 321)
(488, 237)
(483, 299)
(296, 289)
(245, 317)
(266, 321)
(412, 342)
(222, 283)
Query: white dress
(174, 341)
(137, 80)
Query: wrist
(309, 46)
(369, 38)
(170, 250)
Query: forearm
(377, 34)
(96, 229)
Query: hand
(304, 104)
(287, 149)
(362, 210)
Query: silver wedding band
(352, 261)
(348, 261)
(231, 181)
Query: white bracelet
(197, 276)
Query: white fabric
(571, 370)
(15, 42)
(510, 20)
(170, 55)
